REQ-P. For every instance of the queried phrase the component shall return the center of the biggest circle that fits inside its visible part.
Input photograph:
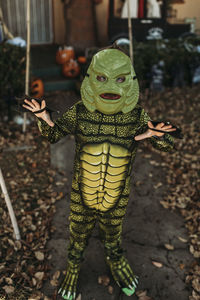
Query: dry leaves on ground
(25, 165)
(25, 161)
(182, 167)
(142, 295)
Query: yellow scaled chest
(103, 170)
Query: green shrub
(12, 70)
(176, 54)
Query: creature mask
(110, 85)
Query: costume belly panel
(103, 171)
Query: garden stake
(10, 208)
(27, 59)
(5, 28)
(130, 32)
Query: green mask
(110, 85)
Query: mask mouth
(109, 96)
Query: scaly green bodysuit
(104, 124)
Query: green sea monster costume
(104, 124)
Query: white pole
(27, 58)
(10, 208)
(130, 31)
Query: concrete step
(59, 85)
(47, 72)
(53, 79)
(43, 65)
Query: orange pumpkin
(37, 88)
(82, 59)
(71, 69)
(63, 55)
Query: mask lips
(109, 96)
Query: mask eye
(120, 79)
(101, 78)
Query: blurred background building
(83, 22)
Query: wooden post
(130, 32)
(7, 33)
(27, 58)
(10, 208)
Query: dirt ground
(161, 244)
(148, 228)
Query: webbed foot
(69, 284)
(123, 275)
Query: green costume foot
(128, 292)
(68, 286)
(123, 275)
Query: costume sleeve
(165, 143)
(63, 126)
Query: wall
(58, 22)
(102, 11)
(80, 19)
(190, 9)
(60, 25)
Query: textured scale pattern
(70, 282)
(103, 173)
(122, 272)
(105, 151)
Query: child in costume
(107, 125)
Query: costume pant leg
(110, 230)
(82, 222)
(110, 224)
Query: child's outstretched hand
(35, 107)
(152, 131)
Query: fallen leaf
(157, 264)
(79, 297)
(145, 298)
(39, 275)
(165, 204)
(54, 282)
(56, 275)
(29, 237)
(99, 280)
(169, 247)
(196, 284)
(11, 242)
(182, 239)
(34, 281)
(9, 289)
(110, 289)
(9, 280)
(39, 255)
(182, 266)
(142, 295)
(34, 297)
(59, 183)
(159, 184)
(105, 280)
(17, 245)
